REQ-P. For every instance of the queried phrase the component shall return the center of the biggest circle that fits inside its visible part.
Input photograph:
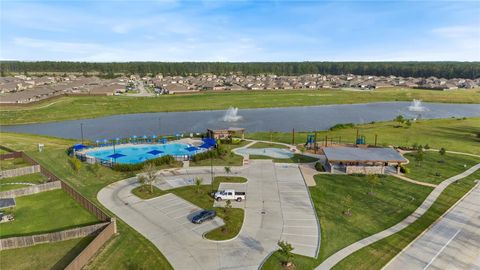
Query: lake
(267, 119)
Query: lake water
(275, 119)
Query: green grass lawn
(268, 145)
(34, 178)
(147, 192)
(376, 255)
(435, 168)
(12, 163)
(54, 256)
(452, 134)
(66, 108)
(230, 159)
(393, 200)
(128, 249)
(45, 212)
(296, 158)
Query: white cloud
(462, 31)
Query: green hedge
(319, 167)
(165, 160)
(218, 152)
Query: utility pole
(211, 173)
(159, 127)
(315, 143)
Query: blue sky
(240, 30)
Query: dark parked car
(203, 216)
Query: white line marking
(440, 251)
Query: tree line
(469, 70)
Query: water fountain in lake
(416, 106)
(232, 115)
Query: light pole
(159, 127)
(211, 172)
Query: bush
(165, 160)
(358, 174)
(218, 152)
(404, 169)
(342, 126)
(319, 167)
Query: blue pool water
(139, 153)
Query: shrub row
(165, 160)
(342, 126)
(218, 152)
(319, 167)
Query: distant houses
(26, 89)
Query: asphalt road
(452, 243)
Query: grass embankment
(230, 159)
(128, 249)
(434, 168)
(45, 212)
(378, 254)
(201, 197)
(66, 108)
(453, 134)
(391, 202)
(53, 256)
(296, 158)
(34, 178)
(12, 163)
(268, 145)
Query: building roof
(352, 154)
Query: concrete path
(343, 253)
(404, 178)
(452, 243)
(267, 212)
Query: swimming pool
(137, 153)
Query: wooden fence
(103, 236)
(31, 190)
(84, 257)
(31, 240)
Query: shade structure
(155, 152)
(164, 140)
(134, 136)
(116, 155)
(145, 136)
(154, 136)
(208, 143)
(105, 140)
(78, 147)
(192, 148)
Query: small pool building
(351, 160)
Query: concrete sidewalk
(331, 261)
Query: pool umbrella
(97, 141)
(155, 152)
(164, 140)
(78, 147)
(116, 155)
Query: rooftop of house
(354, 154)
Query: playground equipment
(310, 144)
(360, 140)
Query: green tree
(228, 170)
(286, 249)
(400, 119)
(373, 180)
(408, 123)
(198, 184)
(75, 163)
(347, 202)
(442, 151)
(150, 173)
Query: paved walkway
(343, 253)
(403, 177)
(452, 243)
(269, 215)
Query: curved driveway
(277, 207)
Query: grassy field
(452, 134)
(12, 163)
(375, 256)
(33, 214)
(53, 256)
(268, 145)
(296, 158)
(435, 168)
(230, 159)
(128, 249)
(34, 178)
(66, 108)
(391, 202)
